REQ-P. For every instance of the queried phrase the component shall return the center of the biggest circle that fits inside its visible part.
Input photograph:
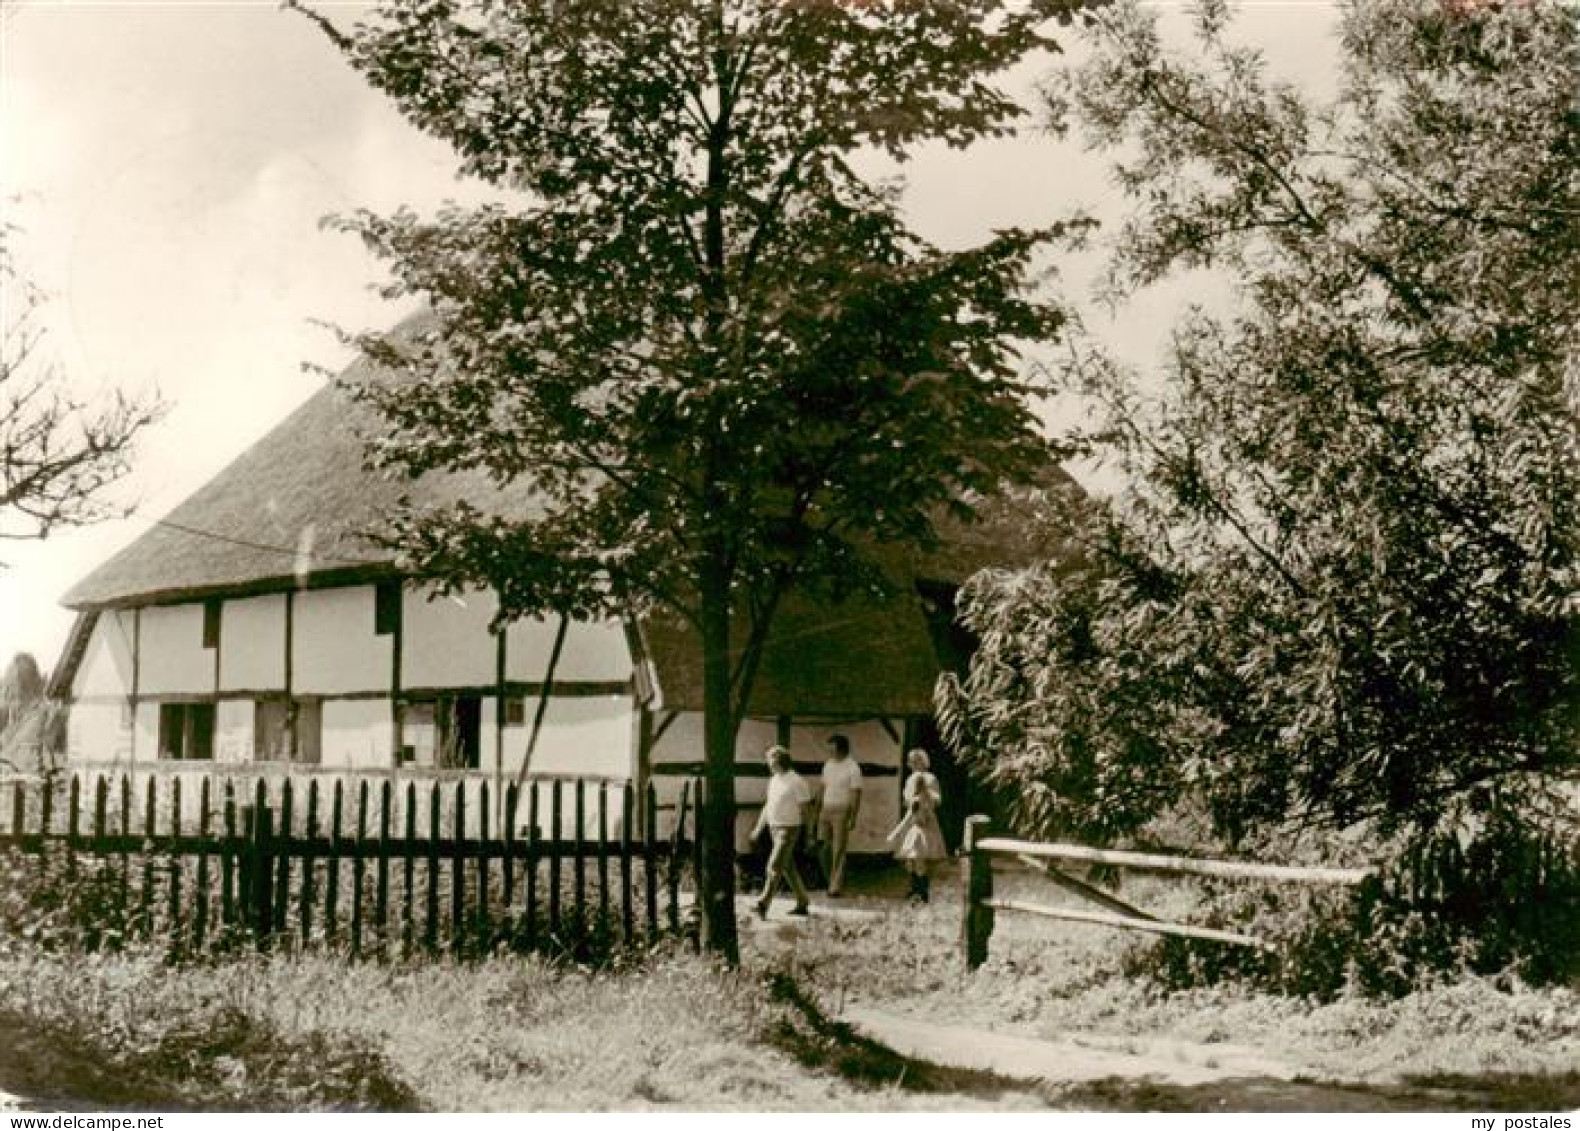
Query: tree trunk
(716, 882)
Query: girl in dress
(919, 840)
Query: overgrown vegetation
(1338, 590)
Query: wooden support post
(304, 908)
(697, 864)
(507, 849)
(531, 867)
(555, 833)
(282, 883)
(200, 909)
(431, 921)
(673, 876)
(262, 870)
(977, 924)
(332, 874)
(579, 850)
(145, 918)
(650, 860)
(483, 928)
(358, 851)
(603, 854)
(409, 873)
(458, 874)
(173, 929)
(73, 810)
(627, 914)
(227, 861)
(381, 887)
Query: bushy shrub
(56, 900)
(233, 1058)
(1506, 899)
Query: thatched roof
(294, 509)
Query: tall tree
(716, 350)
(1342, 586)
(58, 454)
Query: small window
(515, 712)
(273, 723)
(386, 608)
(445, 733)
(186, 732)
(271, 737)
(211, 614)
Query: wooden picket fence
(980, 906)
(579, 873)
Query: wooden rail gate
(259, 870)
(981, 905)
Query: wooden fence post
(262, 870)
(672, 885)
(650, 860)
(696, 866)
(977, 924)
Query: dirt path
(1139, 1074)
(1071, 1060)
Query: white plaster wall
(252, 644)
(97, 732)
(592, 652)
(147, 736)
(233, 723)
(581, 735)
(445, 641)
(335, 649)
(172, 659)
(106, 668)
(357, 733)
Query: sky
(169, 163)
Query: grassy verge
(503, 1035)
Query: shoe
(800, 911)
(761, 909)
(835, 893)
(925, 888)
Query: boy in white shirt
(785, 811)
(841, 806)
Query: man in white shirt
(841, 805)
(785, 812)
